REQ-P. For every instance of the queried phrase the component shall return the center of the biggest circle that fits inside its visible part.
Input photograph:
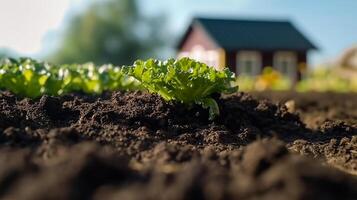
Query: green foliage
(321, 79)
(324, 79)
(32, 79)
(23, 76)
(111, 31)
(270, 79)
(246, 83)
(185, 80)
(5, 53)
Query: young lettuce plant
(112, 78)
(94, 79)
(83, 78)
(185, 80)
(30, 78)
(24, 76)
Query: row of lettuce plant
(186, 81)
(30, 78)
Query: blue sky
(29, 26)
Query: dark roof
(254, 34)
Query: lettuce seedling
(94, 79)
(83, 78)
(113, 78)
(185, 80)
(24, 76)
(30, 78)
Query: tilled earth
(137, 146)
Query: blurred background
(121, 31)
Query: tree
(111, 31)
(6, 53)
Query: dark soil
(316, 108)
(327, 113)
(137, 146)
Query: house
(348, 59)
(346, 65)
(247, 46)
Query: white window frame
(290, 59)
(254, 57)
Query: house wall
(302, 64)
(198, 45)
(198, 37)
(267, 60)
(231, 60)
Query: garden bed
(134, 145)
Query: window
(286, 63)
(249, 63)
